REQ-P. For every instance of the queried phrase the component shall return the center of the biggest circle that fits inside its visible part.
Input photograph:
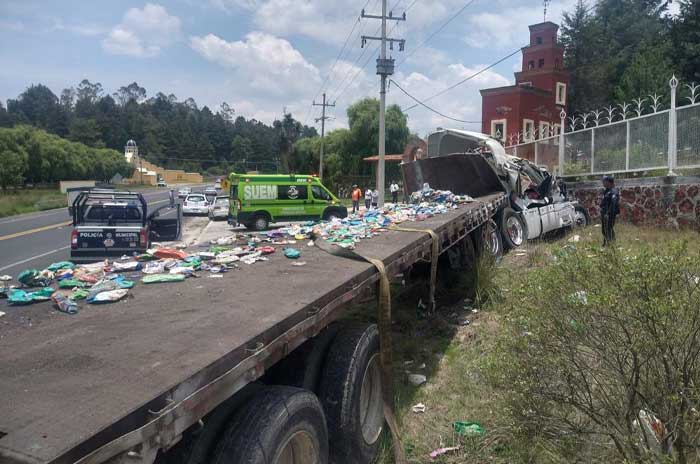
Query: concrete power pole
(323, 119)
(385, 67)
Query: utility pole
(385, 67)
(323, 118)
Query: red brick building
(531, 107)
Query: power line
(444, 91)
(364, 50)
(337, 58)
(408, 55)
(418, 102)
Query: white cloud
(143, 32)
(262, 61)
(11, 26)
(506, 25)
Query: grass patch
(459, 360)
(27, 201)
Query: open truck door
(165, 223)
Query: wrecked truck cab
(537, 204)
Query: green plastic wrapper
(61, 265)
(79, 294)
(71, 283)
(162, 278)
(468, 429)
(19, 297)
(42, 295)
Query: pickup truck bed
(71, 384)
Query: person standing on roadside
(356, 194)
(394, 189)
(609, 209)
(375, 199)
(368, 198)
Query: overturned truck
(471, 163)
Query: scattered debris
(292, 253)
(417, 379)
(162, 278)
(467, 429)
(64, 303)
(418, 408)
(463, 321)
(5, 278)
(108, 297)
(2, 314)
(441, 451)
(299, 263)
(575, 239)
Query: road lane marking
(34, 257)
(34, 231)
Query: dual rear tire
(340, 422)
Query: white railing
(609, 141)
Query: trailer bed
(72, 384)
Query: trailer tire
(581, 216)
(277, 423)
(491, 243)
(351, 394)
(513, 229)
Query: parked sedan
(195, 203)
(183, 192)
(219, 209)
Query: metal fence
(624, 138)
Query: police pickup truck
(115, 223)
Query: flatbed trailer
(125, 382)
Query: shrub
(596, 344)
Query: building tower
(131, 152)
(530, 109)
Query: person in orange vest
(356, 195)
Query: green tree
(85, 131)
(686, 39)
(131, 92)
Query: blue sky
(261, 56)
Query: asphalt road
(36, 240)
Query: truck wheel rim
(514, 229)
(492, 238)
(371, 404)
(260, 223)
(298, 449)
(580, 219)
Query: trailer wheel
(581, 217)
(513, 229)
(351, 394)
(279, 425)
(491, 243)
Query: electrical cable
(429, 108)
(481, 71)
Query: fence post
(562, 116)
(536, 154)
(515, 151)
(672, 128)
(592, 150)
(627, 148)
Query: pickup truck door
(165, 223)
(534, 223)
(549, 217)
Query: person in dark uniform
(609, 209)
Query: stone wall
(662, 201)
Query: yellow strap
(386, 357)
(433, 260)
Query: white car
(183, 192)
(219, 209)
(195, 203)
